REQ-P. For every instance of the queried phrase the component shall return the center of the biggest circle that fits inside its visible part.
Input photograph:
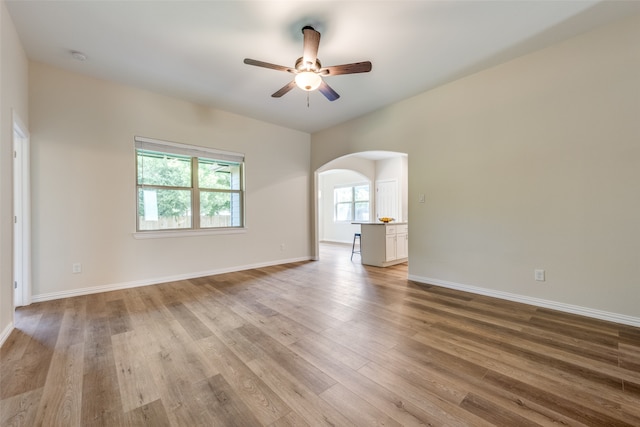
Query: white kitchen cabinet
(402, 241)
(384, 244)
(390, 247)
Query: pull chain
(307, 99)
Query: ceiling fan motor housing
(300, 66)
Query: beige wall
(532, 164)
(13, 100)
(83, 184)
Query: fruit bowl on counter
(386, 219)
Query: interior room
(502, 138)
(371, 169)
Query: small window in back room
(351, 203)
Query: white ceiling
(194, 49)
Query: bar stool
(353, 247)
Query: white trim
(342, 242)
(568, 308)
(25, 210)
(160, 234)
(186, 149)
(22, 128)
(5, 334)
(157, 280)
(317, 216)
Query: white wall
(83, 181)
(532, 164)
(13, 100)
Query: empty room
(319, 213)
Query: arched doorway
(378, 168)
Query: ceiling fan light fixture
(308, 80)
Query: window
(175, 180)
(351, 203)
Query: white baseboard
(340, 242)
(156, 280)
(568, 308)
(5, 334)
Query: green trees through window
(171, 187)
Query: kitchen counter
(383, 244)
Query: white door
(21, 217)
(387, 199)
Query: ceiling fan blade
(310, 48)
(286, 88)
(356, 67)
(328, 92)
(263, 64)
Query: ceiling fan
(308, 70)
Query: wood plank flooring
(326, 343)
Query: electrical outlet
(281, 247)
(539, 275)
(76, 268)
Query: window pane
(163, 169)
(217, 175)
(236, 210)
(362, 193)
(362, 211)
(160, 209)
(343, 194)
(343, 212)
(215, 209)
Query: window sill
(186, 233)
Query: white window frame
(195, 152)
(353, 201)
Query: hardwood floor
(327, 343)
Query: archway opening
(376, 169)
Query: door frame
(21, 214)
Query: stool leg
(353, 247)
